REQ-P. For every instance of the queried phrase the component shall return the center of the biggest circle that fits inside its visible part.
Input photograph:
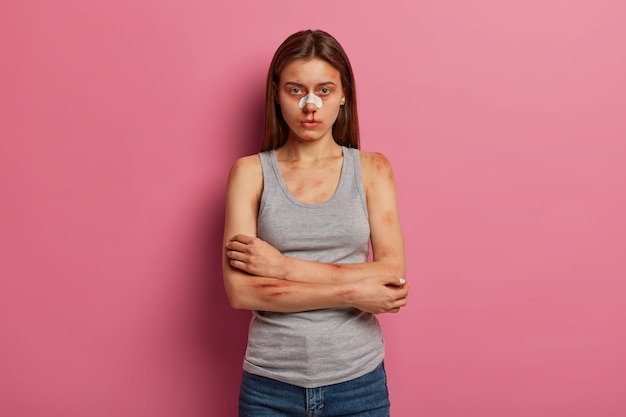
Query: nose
(310, 99)
(309, 108)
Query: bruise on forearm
(346, 292)
(273, 289)
(337, 268)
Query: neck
(309, 151)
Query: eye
(295, 91)
(325, 91)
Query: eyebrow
(302, 85)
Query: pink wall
(505, 122)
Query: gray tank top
(320, 347)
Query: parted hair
(309, 44)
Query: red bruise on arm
(274, 289)
(388, 217)
(278, 294)
(266, 285)
(334, 269)
(346, 292)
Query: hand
(256, 257)
(379, 294)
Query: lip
(310, 124)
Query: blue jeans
(366, 396)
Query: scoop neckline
(283, 185)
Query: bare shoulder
(246, 175)
(247, 165)
(375, 165)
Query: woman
(299, 218)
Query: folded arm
(375, 293)
(257, 257)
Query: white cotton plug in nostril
(310, 98)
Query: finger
(238, 264)
(401, 302)
(395, 282)
(242, 238)
(236, 256)
(236, 246)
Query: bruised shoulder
(375, 165)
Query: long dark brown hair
(309, 44)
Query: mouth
(309, 124)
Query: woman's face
(297, 80)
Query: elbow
(237, 303)
(245, 294)
(241, 298)
(235, 300)
(235, 289)
(234, 297)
